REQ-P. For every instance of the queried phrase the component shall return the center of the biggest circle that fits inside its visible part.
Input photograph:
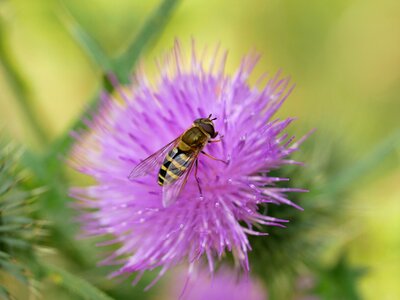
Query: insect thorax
(194, 138)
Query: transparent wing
(171, 191)
(153, 161)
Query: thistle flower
(224, 284)
(144, 117)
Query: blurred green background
(344, 57)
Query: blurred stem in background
(20, 232)
(122, 66)
(288, 256)
(49, 167)
(21, 91)
(346, 177)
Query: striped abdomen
(175, 164)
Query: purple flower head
(224, 284)
(140, 120)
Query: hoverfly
(178, 157)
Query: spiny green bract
(289, 261)
(19, 232)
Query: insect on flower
(141, 118)
(178, 158)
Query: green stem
(49, 169)
(346, 177)
(76, 285)
(62, 145)
(151, 29)
(85, 40)
(21, 92)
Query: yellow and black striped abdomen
(175, 164)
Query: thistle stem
(124, 66)
(21, 92)
(151, 29)
(346, 177)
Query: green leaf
(92, 48)
(288, 253)
(6, 184)
(14, 199)
(20, 89)
(15, 242)
(74, 284)
(123, 67)
(4, 255)
(17, 220)
(63, 144)
(11, 227)
(346, 178)
(4, 293)
(49, 168)
(53, 203)
(339, 281)
(14, 270)
(151, 29)
(19, 231)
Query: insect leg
(216, 141)
(214, 158)
(197, 178)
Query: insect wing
(152, 162)
(171, 191)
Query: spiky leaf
(19, 231)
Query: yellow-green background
(344, 57)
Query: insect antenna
(213, 119)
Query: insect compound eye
(209, 128)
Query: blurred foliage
(339, 281)
(287, 253)
(344, 56)
(20, 232)
(49, 166)
(24, 240)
